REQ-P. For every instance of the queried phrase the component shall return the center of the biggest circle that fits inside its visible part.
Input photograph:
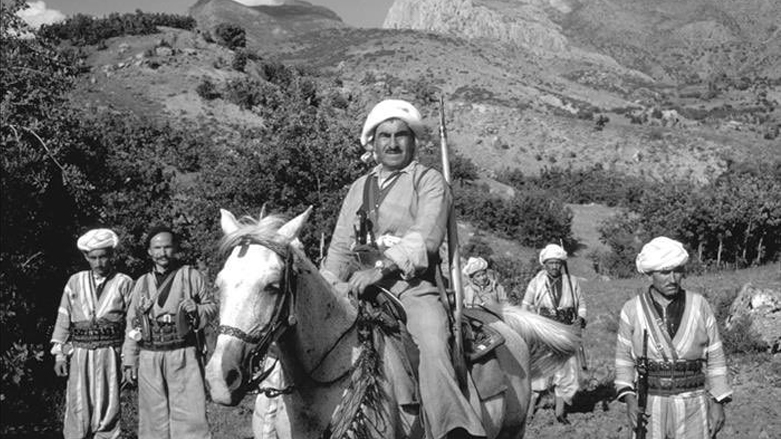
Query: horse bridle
(283, 318)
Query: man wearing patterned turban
(553, 293)
(481, 289)
(687, 370)
(88, 334)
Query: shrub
(230, 35)
(207, 90)
(239, 61)
(514, 275)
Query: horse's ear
(228, 222)
(262, 212)
(293, 227)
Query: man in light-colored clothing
(88, 332)
(481, 289)
(687, 370)
(555, 294)
(168, 305)
(403, 210)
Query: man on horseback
(401, 208)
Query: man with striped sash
(168, 305)
(88, 333)
(687, 371)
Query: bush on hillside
(531, 217)
(83, 29)
(231, 35)
(514, 275)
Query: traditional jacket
(171, 395)
(90, 320)
(697, 338)
(540, 297)
(492, 293)
(419, 221)
(184, 283)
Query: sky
(359, 13)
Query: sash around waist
(96, 334)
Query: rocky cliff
(265, 20)
(677, 40)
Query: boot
(561, 414)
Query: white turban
(391, 109)
(661, 254)
(473, 265)
(97, 238)
(552, 251)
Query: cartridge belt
(165, 337)
(96, 334)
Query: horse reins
(283, 318)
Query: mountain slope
(667, 39)
(265, 23)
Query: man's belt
(662, 367)
(667, 378)
(165, 337)
(96, 335)
(561, 315)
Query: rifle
(642, 390)
(581, 350)
(454, 257)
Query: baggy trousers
(683, 416)
(443, 403)
(564, 381)
(171, 396)
(92, 398)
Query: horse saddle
(480, 343)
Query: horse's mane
(257, 230)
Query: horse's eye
(272, 288)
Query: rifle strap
(373, 196)
(657, 328)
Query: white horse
(271, 292)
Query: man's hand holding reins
(360, 280)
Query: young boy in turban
(88, 334)
(481, 289)
(687, 370)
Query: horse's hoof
(562, 420)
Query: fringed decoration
(362, 414)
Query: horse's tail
(550, 343)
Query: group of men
(401, 207)
(110, 328)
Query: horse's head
(256, 297)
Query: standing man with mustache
(87, 340)
(687, 371)
(168, 305)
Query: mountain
(526, 97)
(265, 21)
(671, 40)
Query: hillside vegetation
(124, 124)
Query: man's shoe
(562, 420)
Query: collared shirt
(414, 208)
(541, 294)
(672, 313)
